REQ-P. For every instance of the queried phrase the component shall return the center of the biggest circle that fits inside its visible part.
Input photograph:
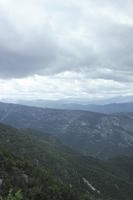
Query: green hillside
(34, 182)
(79, 173)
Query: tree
(11, 196)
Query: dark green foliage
(11, 196)
(45, 169)
(36, 183)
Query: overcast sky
(66, 48)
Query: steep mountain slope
(90, 133)
(34, 182)
(86, 174)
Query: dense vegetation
(35, 180)
(35, 183)
(46, 163)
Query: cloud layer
(92, 39)
(63, 85)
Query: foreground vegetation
(35, 183)
(44, 169)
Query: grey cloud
(91, 37)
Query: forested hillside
(70, 170)
(90, 133)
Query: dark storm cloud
(46, 37)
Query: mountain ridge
(90, 133)
(107, 108)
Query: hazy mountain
(101, 107)
(107, 108)
(90, 133)
(82, 101)
(37, 162)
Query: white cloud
(74, 47)
(64, 85)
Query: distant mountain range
(62, 104)
(82, 101)
(90, 133)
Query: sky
(66, 49)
